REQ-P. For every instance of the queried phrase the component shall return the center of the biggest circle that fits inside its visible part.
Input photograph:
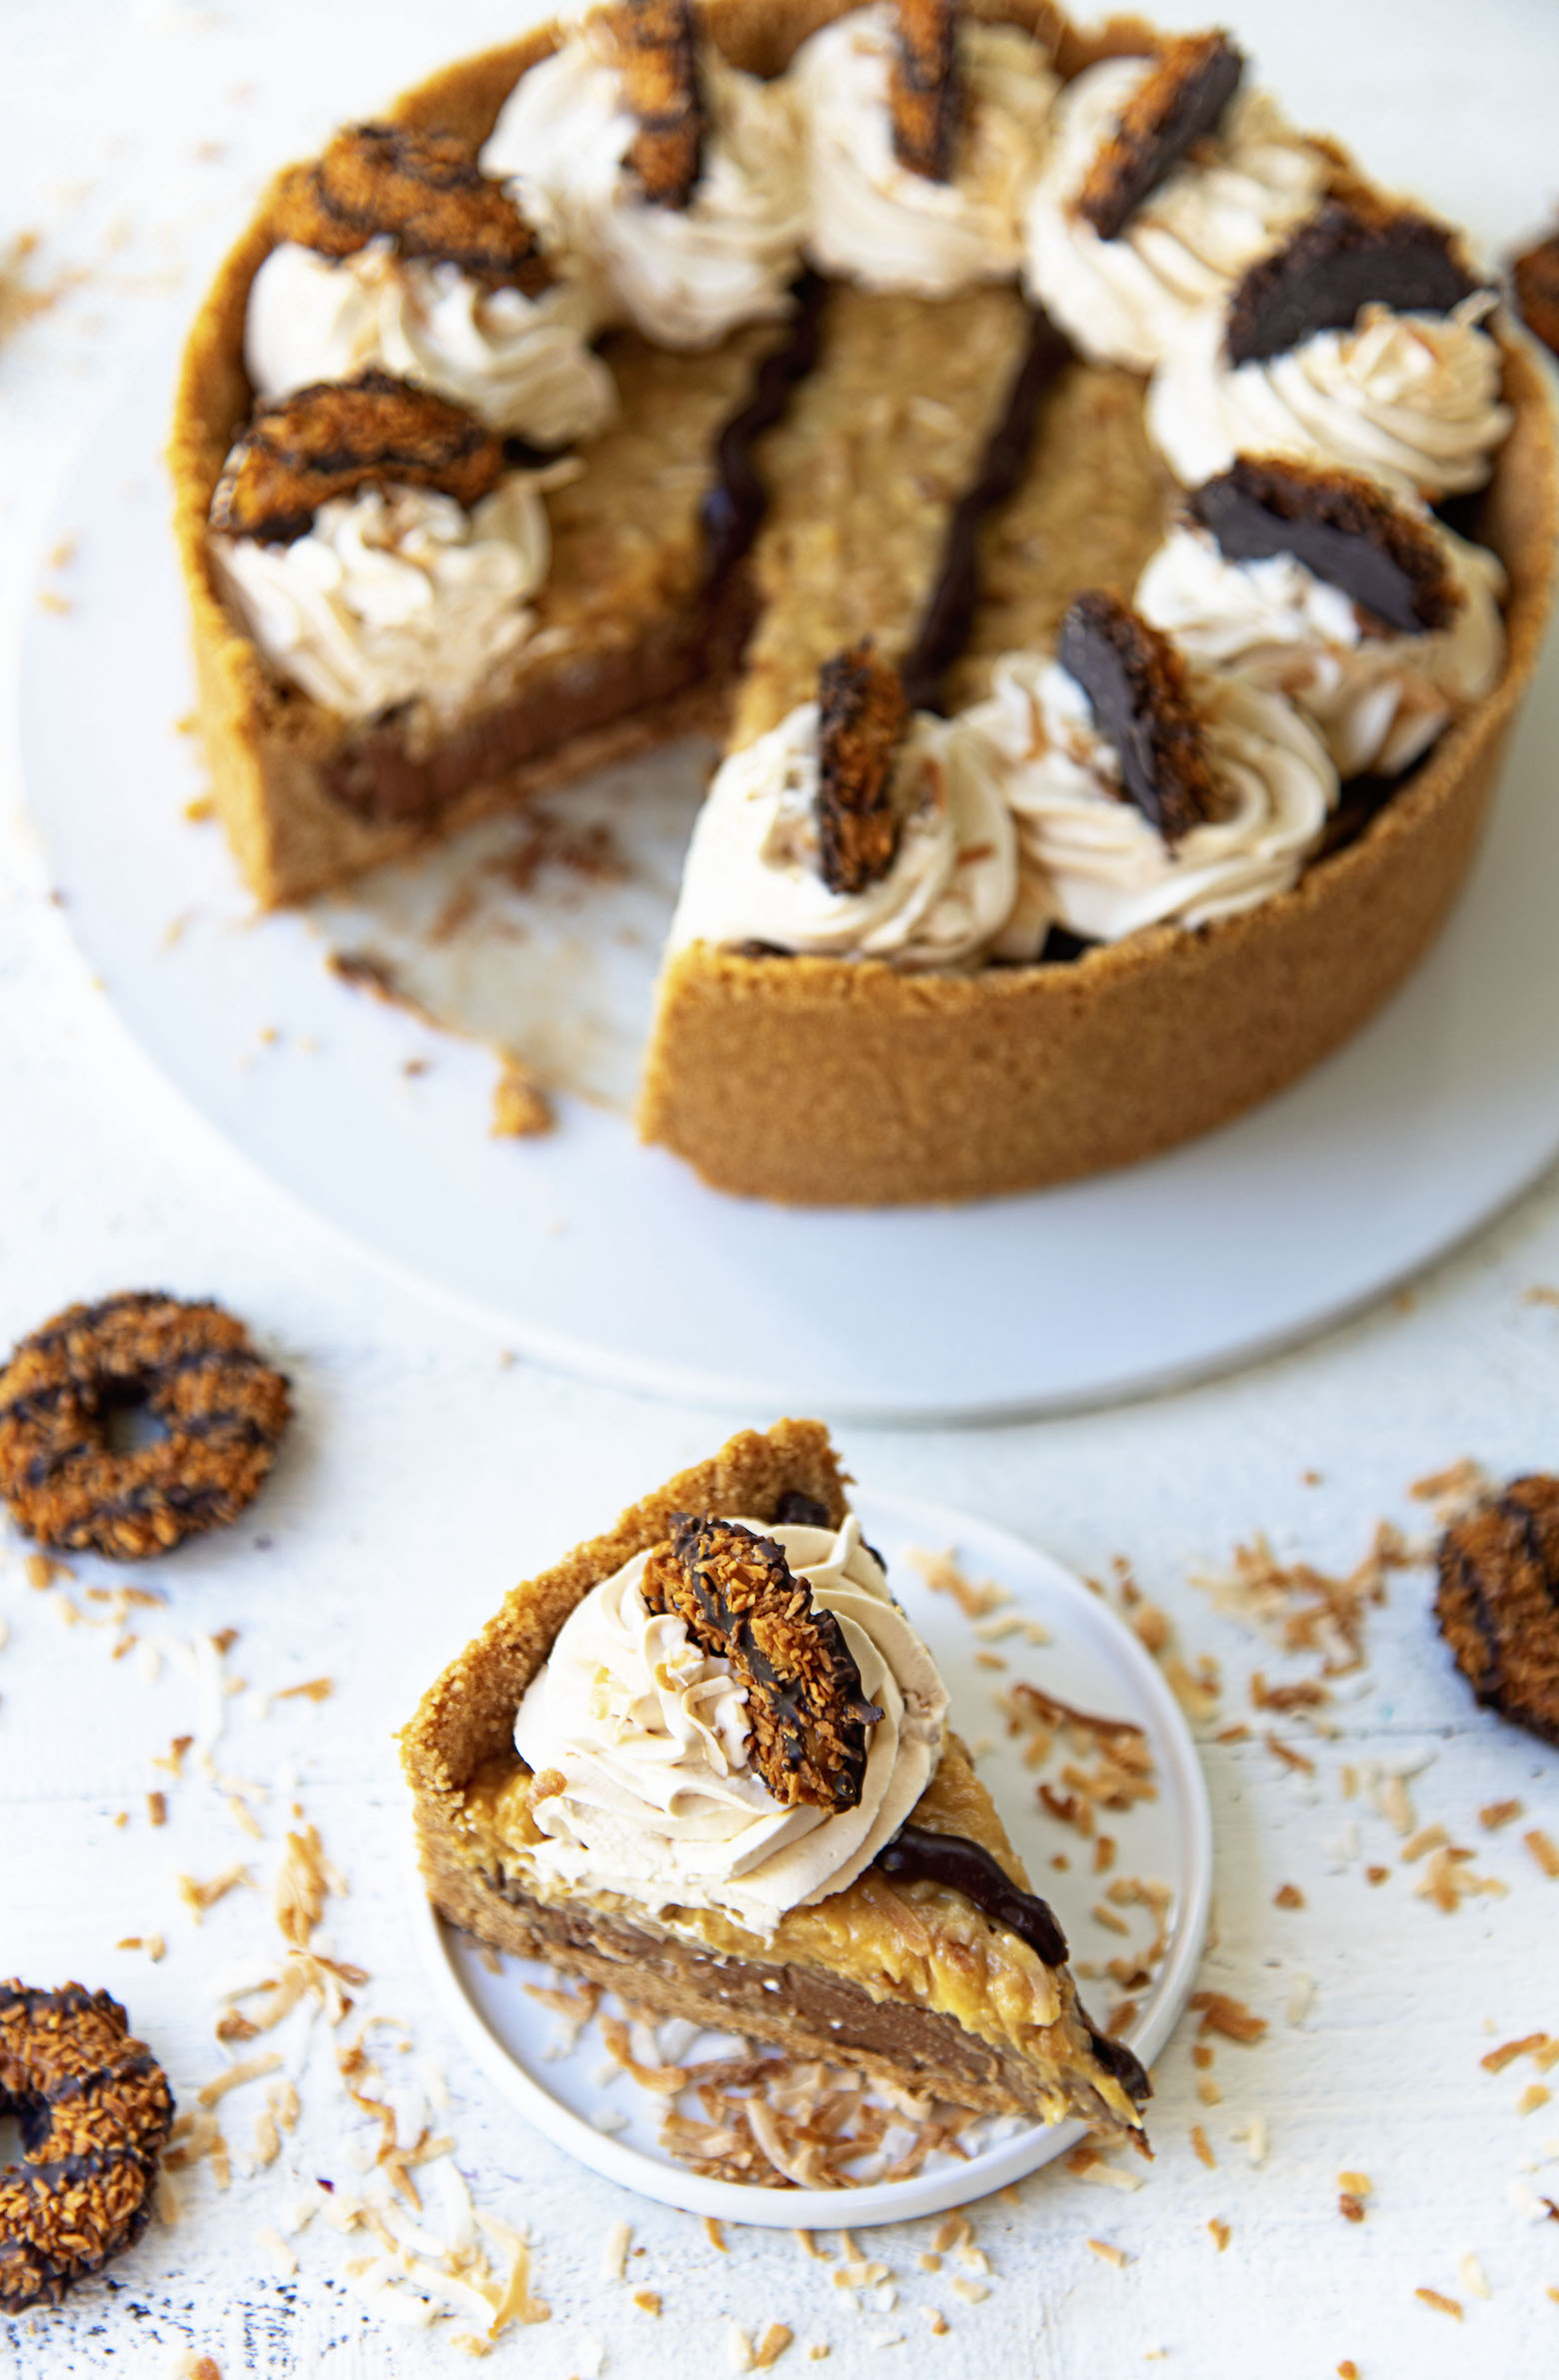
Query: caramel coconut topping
(737, 1595)
(1137, 686)
(339, 436)
(1180, 103)
(421, 190)
(662, 88)
(926, 96)
(1354, 251)
(862, 714)
(1343, 527)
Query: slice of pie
(705, 1761)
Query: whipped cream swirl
(1093, 862)
(751, 873)
(395, 594)
(1413, 399)
(1379, 698)
(1127, 301)
(683, 276)
(659, 1801)
(874, 221)
(521, 365)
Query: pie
(696, 370)
(705, 1761)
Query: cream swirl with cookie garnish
(1413, 397)
(1359, 344)
(1127, 299)
(1098, 862)
(396, 252)
(753, 872)
(683, 272)
(874, 218)
(376, 546)
(1379, 697)
(522, 365)
(643, 1743)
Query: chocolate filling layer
(918, 1855)
(734, 506)
(949, 611)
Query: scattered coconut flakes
(1288, 1897)
(1107, 2250)
(1254, 2135)
(1495, 1814)
(995, 1631)
(647, 2301)
(198, 1897)
(247, 2070)
(613, 2253)
(1350, 2206)
(1452, 1490)
(1306, 1609)
(1292, 1759)
(267, 2139)
(279, 2253)
(1429, 1838)
(1208, 2093)
(303, 1881)
(1220, 2013)
(943, 1574)
(1441, 2305)
(974, 2293)
(1301, 1999)
(157, 1808)
(1448, 1880)
(938, 2320)
(808, 2244)
(1085, 2163)
(1473, 2277)
(738, 2349)
(1536, 2096)
(1544, 1851)
(1220, 2233)
(1202, 2146)
(1357, 2185)
(714, 2233)
(311, 1690)
(768, 2349)
(1508, 2051)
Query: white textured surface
(425, 1474)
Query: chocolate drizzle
(949, 611)
(734, 505)
(917, 1855)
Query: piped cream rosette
(658, 1801)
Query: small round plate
(584, 1249)
(1091, 1660)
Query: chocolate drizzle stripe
(950, 609)
(917, 1855)
(734, 505)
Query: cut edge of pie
(927, 1995)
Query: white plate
(1092, 1661)
(587, 1251)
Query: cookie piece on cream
(1364, 610)
(1250, 807)
(377, 546)
(1182, 101)
(1357, 345)
(1197, 216)
(734, 1592)
(396, 252)
(932, 214)
(754, 873)
(608, 189)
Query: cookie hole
(14, 2136)
(130, 1426)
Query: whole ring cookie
(94, 2109)
(1498, 1601)
(191, 1368)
